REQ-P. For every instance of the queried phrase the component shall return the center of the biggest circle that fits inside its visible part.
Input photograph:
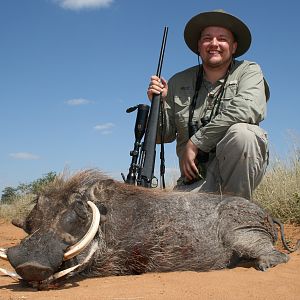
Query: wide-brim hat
(219, 18)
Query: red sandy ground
(281, 282)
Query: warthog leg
(255, 244)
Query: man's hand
(189, 167)
(156, 86)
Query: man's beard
(217, 64)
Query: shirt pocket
(229, 93)
(182, 100)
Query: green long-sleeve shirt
(243, 101)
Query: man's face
(216, 46)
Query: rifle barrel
(162, 52)
(149, 145)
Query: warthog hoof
(265, 262)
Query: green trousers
(238, 165)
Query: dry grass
(279, 191)
(18, 208)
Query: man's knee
(243, 137)
(242, 157)
(240, 134)
(237, 137)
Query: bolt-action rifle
(141, 170)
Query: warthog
(93, 225)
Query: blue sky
(70, 68)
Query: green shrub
(16, 202)
(10, 194)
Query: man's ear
(198, 47)
(234, 47)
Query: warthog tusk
(88, 237)
(62, 273)
(10, 274)
(3, 254)
(4, 271)
(92, 193)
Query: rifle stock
(149, 146)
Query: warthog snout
(34, 271)
(37, 257)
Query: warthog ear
(18, 223)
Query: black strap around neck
(217, 101)
(199, 81)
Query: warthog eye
(81, 209)
(74, 218)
